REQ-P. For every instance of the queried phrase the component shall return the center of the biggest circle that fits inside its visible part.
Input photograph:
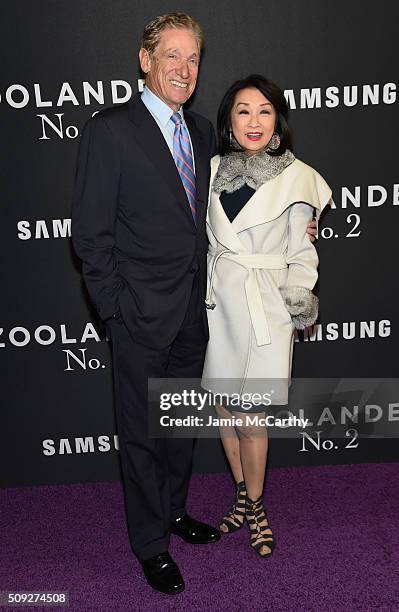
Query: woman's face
(253, 120)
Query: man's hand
(312, 230)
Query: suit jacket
(131, 221)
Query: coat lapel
(297, 183)
(150, 138)
(217, 219)
(221, 226)
(201, 159)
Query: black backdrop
(335, 62)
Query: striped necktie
(182, 154)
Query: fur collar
(237, 169)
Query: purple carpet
(337, 532)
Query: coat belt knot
(251, 262)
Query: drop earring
(273, 143)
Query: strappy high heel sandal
(235, 517)
(261, 534)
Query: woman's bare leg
(253, 445)
(231, 447)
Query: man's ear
(145, 60)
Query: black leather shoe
(162, 574)
(194, 532)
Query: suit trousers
(155, 472)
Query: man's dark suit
(145, 258)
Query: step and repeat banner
(62, 62)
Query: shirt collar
(161, 111)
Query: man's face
(172, 70)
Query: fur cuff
(302, 305)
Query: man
(139, 227)
(138, 224)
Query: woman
(262, 268)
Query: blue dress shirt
(162, 114)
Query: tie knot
(176, 118)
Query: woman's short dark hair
(273, 93)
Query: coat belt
(251, 262)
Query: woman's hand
(312, 230)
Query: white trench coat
(265, 248)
